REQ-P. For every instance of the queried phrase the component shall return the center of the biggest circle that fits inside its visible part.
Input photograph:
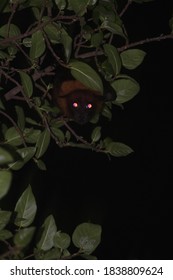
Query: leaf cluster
(24, 241)
(88, 39)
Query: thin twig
(128, 46)
(58, 59)
(16, 83)
(125, 8)
(15, 126)
(36, 76)
(81, 140)
(24, 53)
(146, 41)
(78, 138)
(14, 6)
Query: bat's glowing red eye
(75, 104)
(89, 106)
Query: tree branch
(6, 41)
(36, 76)
(128, 46)
(125, 8)
(146, 41)
(16, 83)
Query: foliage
(17, 232)
(87, 39)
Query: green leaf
(12, 137)
(4, 55)
(58, 133)
(26, 83)
(38, 45)
(103, 11)
(96, 134)
(31, 121)
(48, 232)
(106, 112)
(41, 165)
(4, 218)
(3, 3)
(78, 6)
(42, 143)
(92, 2)
(53, 32)
(86, 75)
(52, 254)
(5, 182)
(67, 135)
(5, 234)
(12, 51)
(132, 58)
(97, 39)
(113, 57)
(30, 3)
(61, 4)
(87, 31)
(24, 236)
(5, 31)
(27, 42)
(62, 240)
(20, 117)
(36, 3)
(65, 254)
(107, 69)
(36, 13)
(113, 28)
(118, 149)
(66, 40)
(47, 107)
(26, 208)
(126, 89)
(25, 154)
(5, 157)
(86, 237)
(31, 135)
(107, 141)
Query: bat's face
(82, 105)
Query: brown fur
(69, 91)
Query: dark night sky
(131, 196)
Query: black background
(130, 197)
